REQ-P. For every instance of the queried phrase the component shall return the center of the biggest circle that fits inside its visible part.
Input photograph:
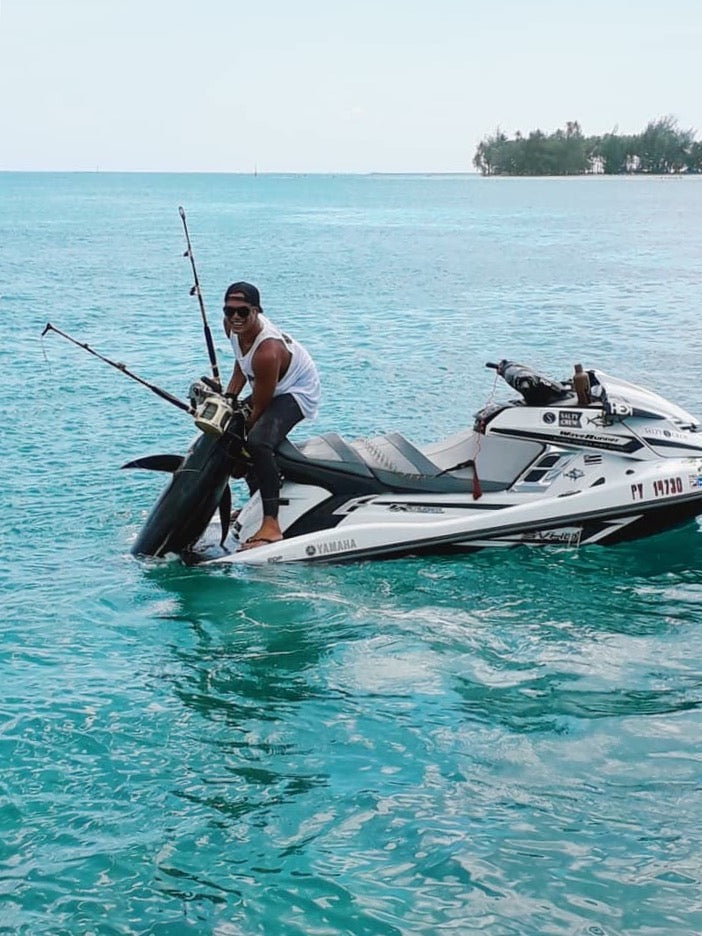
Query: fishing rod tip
(181, 211)
(47, 328)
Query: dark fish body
(199, 486)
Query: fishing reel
(213, 411)
(214, 415)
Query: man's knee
(259, 442)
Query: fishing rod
(196, 291)
(164, 394)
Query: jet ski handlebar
(536, 389)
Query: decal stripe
(474, 505)
(612, 514)
(574, 441)
(667, 443)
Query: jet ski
(551, 467)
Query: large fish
(199, 486)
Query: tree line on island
(662, 149)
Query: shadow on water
(251, 657)
(327, 713)
(546, 618)
(258, 778)
(260, 638)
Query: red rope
(477, 490)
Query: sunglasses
(240, 311)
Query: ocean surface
(500, 744)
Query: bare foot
(269, 532)
(253, 541)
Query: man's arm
(266, 369)
(237, 381)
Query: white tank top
(301, 378)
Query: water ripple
(499, 744)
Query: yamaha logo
(335, 546)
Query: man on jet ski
(285, 389)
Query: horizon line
(248, 172)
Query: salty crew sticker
(569, 418)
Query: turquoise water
(506, 743)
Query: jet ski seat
(329, 450)
(384, 463)
(393, 452)
(388, 453)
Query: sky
(311, 86)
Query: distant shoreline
(662, 149)
(359, 175)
